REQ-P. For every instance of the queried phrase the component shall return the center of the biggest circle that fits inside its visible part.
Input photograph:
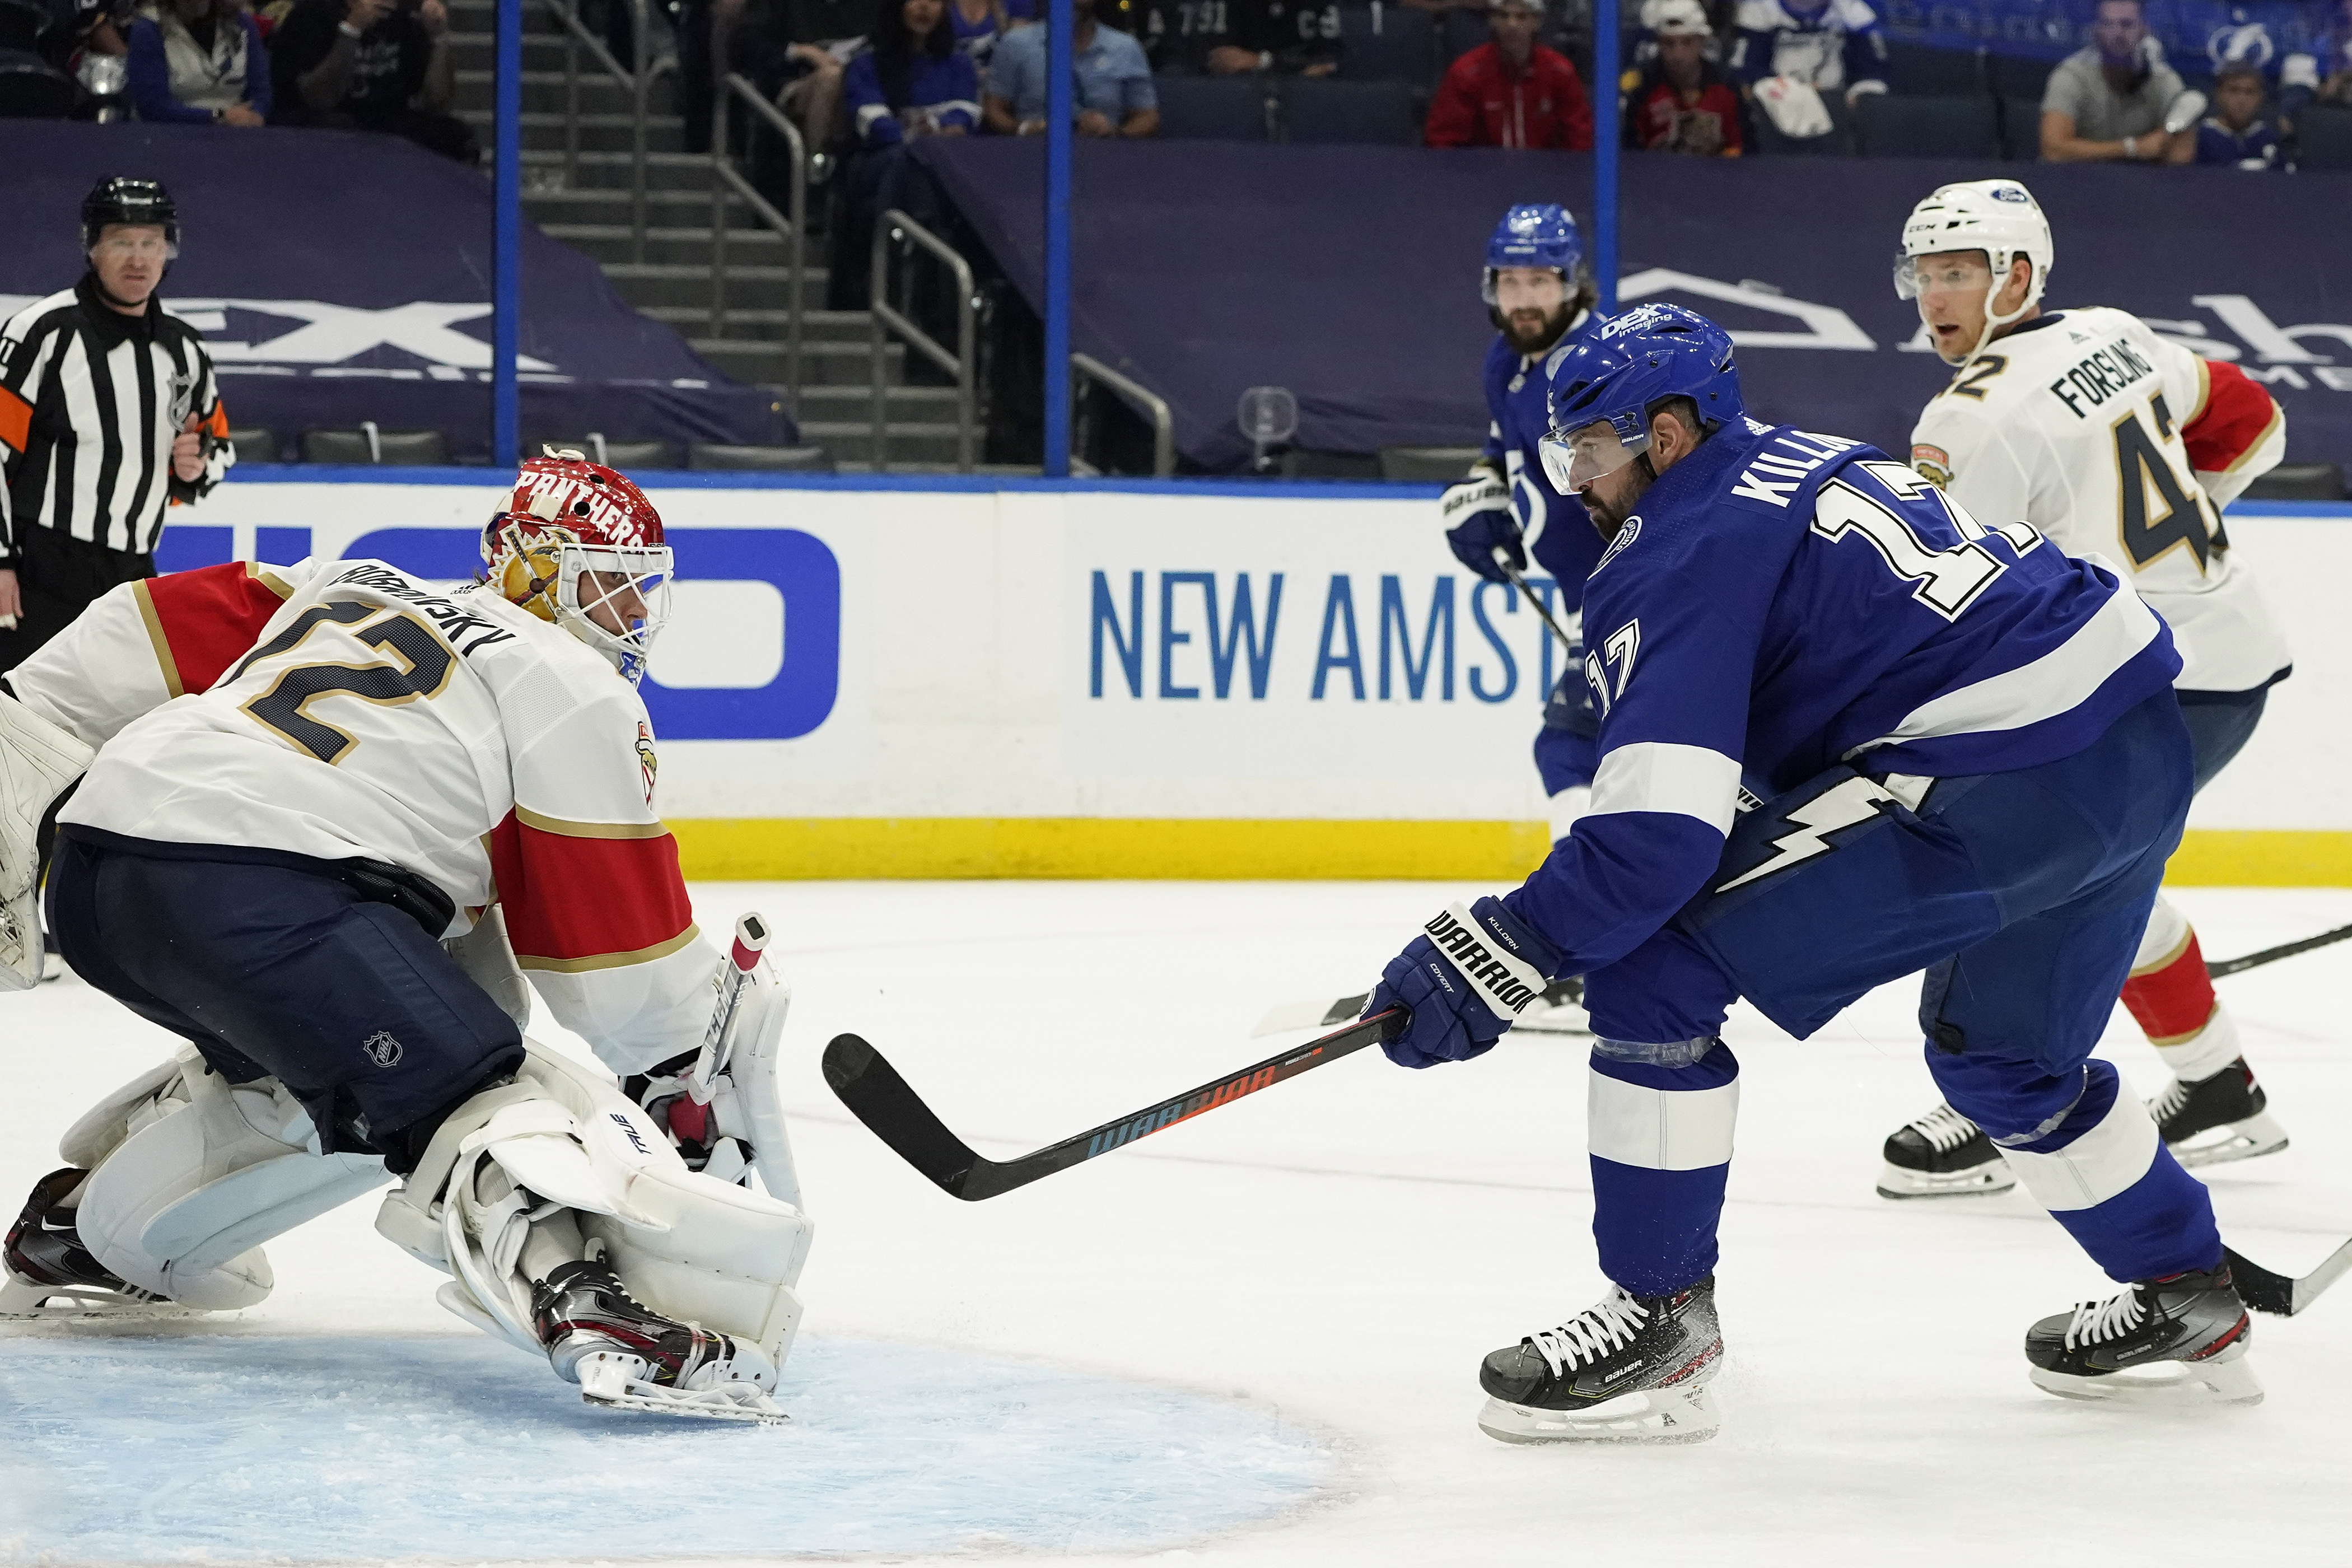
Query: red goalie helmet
(580, 546)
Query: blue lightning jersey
(1559, 535)
(1783, 602)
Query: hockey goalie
(320, 822)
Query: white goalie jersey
(2115, 443)
(344, 710)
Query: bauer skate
(1942, 1154)
(1559, 1011)
(626, 1358)
(2217, 1119)
(2180, 1339)
(1630, 1370)
(48, 1276)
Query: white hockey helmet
(2000, 218)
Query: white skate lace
(1592, 1333)
(2108, 1320)
(2168, 1105)
(1945, 1129)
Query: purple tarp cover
(339, 277)
(1351, 274)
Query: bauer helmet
(1619, 374)
(2001, 219)
(1535, 233)
(580, 547)
(120, 199)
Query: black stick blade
(878, 1097)
(2259, 1288)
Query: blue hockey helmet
(1616, 376)
(1533, 233)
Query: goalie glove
(742, 1128)
(39, 762)
(1478, 521)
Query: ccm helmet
(570, 519)
(2001, 219)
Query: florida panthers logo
(646, 762)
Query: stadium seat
(1378, 112)
(707, 456)
(2325, 137)
(1428, 465)
(256, 444)
(32, 89)
(371, 444)
(1211, 108)
(1916, 70)
(2014, 75)
(1464, 29)
(1890, 126)
(22, 23)
(2020, 129)
(1838, 143)
(623, 454)
(1385, 43)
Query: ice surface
(1331, 1257)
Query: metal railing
(1084, 368)
(895, 227)
(639, 82)
(792, 226)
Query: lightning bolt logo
(1847, 804)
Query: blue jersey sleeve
(1496, 376)
(1866, 54)
(862, 84)
(1671, 641)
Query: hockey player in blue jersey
(1542, 305)
(1848, 732)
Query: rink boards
(967, 678)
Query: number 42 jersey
(346, 711)
(2115, 442)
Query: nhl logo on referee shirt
(382, 1048)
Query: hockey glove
(1466, 978)
(1478, 521)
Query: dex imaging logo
(382, 1048)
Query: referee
(109, 415)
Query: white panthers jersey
(347, 710)
(2118, 444)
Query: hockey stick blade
(2273, 954)
(871, 1087)
(1316, 1014)
(2281, 1295)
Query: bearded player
(306, 782)
(1541, 306)
(2117, 443)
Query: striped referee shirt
(90, 400)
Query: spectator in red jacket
(1512, 92)
(1683, 104)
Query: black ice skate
(46, 1273)
(1942, 1154)
(1559, 1011)
(1633, 1369)
(2217, 1118)
(2179, 1339)
(626, 1357)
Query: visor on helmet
(1915, 275)
(1574, 459)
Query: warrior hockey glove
(1478, 521)
(1466, 978)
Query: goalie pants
(2022, 895)
(286, 967)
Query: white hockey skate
(626, 1358)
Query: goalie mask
(579, 546)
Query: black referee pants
(57, 576)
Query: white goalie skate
(48, 1276)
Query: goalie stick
(875, 1093)
(1321, 1013)
(2283, 1295)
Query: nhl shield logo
(382, 1048)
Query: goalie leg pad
(37, 761)
(201, 1174)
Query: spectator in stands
(978, 25)
(1242, 37)
(1511, 91)
(1682, 103)
(369, 65)
(2106, 102)
(2323, 73)
(1113, 95)
(2235, 133)
(198, 60)
(911, 82)
(1800, 59)
(795, 52)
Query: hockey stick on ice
(2273, 954)
(878, 1097)
(2279, 1294)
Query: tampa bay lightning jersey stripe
(1561, 539)
(1788, 601)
